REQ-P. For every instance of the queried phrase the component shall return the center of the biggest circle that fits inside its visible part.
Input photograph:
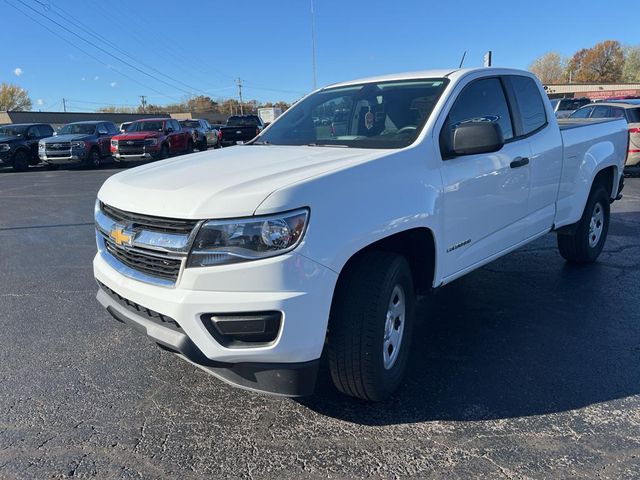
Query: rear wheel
(371, 325)
(20, 161)
(586, 242)
(203, 145)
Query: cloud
(17, 72)
(39, 102)
(96, 77)
(113, 84)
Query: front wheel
(93, 160)
(20, 161)
(189, 147)
(371, 325)
(586, 242)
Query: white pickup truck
(317, 236)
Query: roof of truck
(438, 73)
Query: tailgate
(235, 134)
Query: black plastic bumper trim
(286, 379)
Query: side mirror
(477, 137)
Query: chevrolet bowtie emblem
(120, 236)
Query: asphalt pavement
(526, 368)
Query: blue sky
(202, 46)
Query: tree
(201, 103)
(14, 98)
(631, 70)
(601, 64)
(549, 68)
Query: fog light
(237, 330)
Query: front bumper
(133, 157)
(291, 284)
(67, 160)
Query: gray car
(204, 136)
(563, 107)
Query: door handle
(519, 162)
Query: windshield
(190, 124)
(248, 121)
(156, 126)
(370, 115)
(12, 131)
(77, 128)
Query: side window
(601, 111)
(582, 113)
(111, 127)
(481, 101)
(45, 131)
(102, 129)
(176, 126)
(617, 112)
(33, 132)
(529, 102)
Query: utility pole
(240, 95)
(313, 46)
(143, 103)
(64, 105)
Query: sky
(168, 51)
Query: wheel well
(606, 177)
(417, 245)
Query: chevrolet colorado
(251, 261)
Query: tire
(189, 147)
(367, 359)
(164, 152)
(203, 145)
(93, 160)
(586, 242)
(21, 161)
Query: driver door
(485, 195)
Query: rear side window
(530, 103)
(45, 130)
(633, 115)
(582, 113)
(481, 101)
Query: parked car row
(91, 143)
(627, 109)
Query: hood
(7, 138)
(137, 135)
(72, 137)
(226, 183)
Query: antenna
(462, 59)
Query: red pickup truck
(151, 139)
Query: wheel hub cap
(394, 327)
(596, 225)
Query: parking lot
(527, 368)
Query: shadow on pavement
(526, 335)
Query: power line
(77, 23)
(90, 55)
(94, 45)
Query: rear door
(531, 123)
(104, 139)
(485, 195)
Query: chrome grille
(156, 249)
(148, 222)
(156, 266)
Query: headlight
(220, 242)
(77, 144)
(114, 143)
(41, 146)
(5, 147)
(151, 141)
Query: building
(594, 91)
(57, 119)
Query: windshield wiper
(326, 145)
